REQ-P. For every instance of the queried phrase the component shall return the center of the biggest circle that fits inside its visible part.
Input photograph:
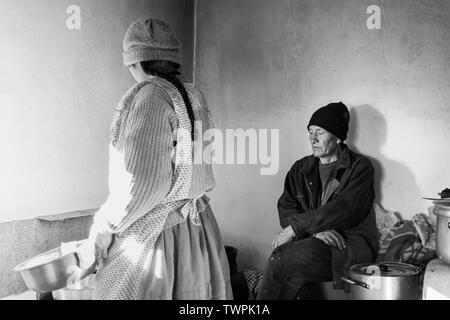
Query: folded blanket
(418, 254)
(254, 279)
(394, 241)
(425, 230)
(385, 218)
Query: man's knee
(288, 258)
(275, 264)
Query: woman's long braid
(172, 78)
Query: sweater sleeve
(348, 210)
(140, 169)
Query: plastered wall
(270, 64)
(58, 89)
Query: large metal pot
(384, 281)
(443, 231)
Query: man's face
(324, 143)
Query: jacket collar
(344, 161)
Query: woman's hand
(332, 238)
(286, 235)
(102, 243)
(95, 247)
(101, 237)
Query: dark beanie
(334, 118)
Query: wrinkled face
(324, 143)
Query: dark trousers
(295, 264)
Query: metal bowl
(48, 271)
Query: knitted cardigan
(140, 166)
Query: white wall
(58, 89)
(270, 64)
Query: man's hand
(332, 238)
(286, 235)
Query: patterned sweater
(140, 167)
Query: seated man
(326, 210)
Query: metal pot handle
(355, 282)
(383, 267)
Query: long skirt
(187, 262)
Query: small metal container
(81, 290)
(48, 271)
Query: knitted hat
(334, 118)
(150, 39)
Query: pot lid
(443, 201)
(386, 269)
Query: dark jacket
(347, 208)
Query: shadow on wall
(367, 135)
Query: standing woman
(156, 236)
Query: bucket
(232, 259)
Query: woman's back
(160, 102)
